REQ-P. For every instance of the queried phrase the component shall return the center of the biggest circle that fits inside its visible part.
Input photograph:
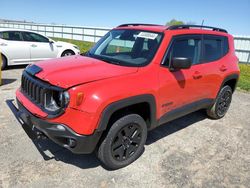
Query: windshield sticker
(147, 35)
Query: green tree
(174, 22)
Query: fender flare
(67, 49)
(230, 77)
(5, 56)
(113, 107)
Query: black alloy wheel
(126, 142)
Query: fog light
(60, 127)
(71, 142)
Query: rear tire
(4, 62)
(67, 53)
(222, 103)
(124, 142)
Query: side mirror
(85, 53)
(51, 41)
(180, 63)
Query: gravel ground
(192, 151)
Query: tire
(67, 53)
(124, 142)
(222, 103)
(4, 62)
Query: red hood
(69, 71)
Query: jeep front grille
(35, 90)
(32, 89)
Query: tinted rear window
(225, 45)
(11, 35)
(215, 47)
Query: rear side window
(214, 48)
(225, 46)
(11, 35)
(33, 37)
(188, 47)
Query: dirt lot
(192, 151)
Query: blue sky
(233, 15)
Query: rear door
(214, 63)
(13, 46)
(40, 47)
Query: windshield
(127, 47)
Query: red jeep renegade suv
(137, 77)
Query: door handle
(223, 68)
(3, 44)
(33, 45)
(197, 75)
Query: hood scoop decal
(33, 69)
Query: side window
(188, 47)
(225, 45)
(11, 35)
(215, 47)
(212, 49)
(33, 37)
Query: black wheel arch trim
(4, 56)
(150, 99)
(228, 78)
(113, 107)
(69, 51)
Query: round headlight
(55, 100)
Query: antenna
(202, 23)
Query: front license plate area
(26, 119)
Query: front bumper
(59, 133)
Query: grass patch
(244, 81)
(84, 46)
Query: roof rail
(137, 24)
(174, 27)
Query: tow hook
(40, 135)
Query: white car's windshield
(127, 47)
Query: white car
(25, 47)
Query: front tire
(67, 53)
(4, 62)
(124, 142)
(222, 103)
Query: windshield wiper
(108, 60)
(87, 53)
